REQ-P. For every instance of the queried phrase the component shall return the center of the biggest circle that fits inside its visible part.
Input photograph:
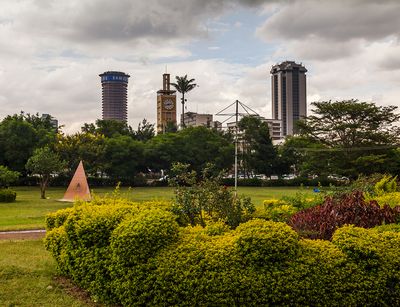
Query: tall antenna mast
(247, 112)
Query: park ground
(28, 275)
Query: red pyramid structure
(78, 187)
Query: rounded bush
(7, 196)
(260, 241)
(57, 219)
(139, 238)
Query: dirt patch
(22, 235)
(75, 291)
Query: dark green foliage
(7, 176)
(131, 258)
(20, 134)
(196, 146)
(348, 138)
(320, 222)
(7, 196)
(258, 153)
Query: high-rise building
(114, 95)
(166, 105)
(289, 102)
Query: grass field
(29, 211)
(27, 277)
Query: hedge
(7, 196)
(132, 255)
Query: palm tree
(183, 85)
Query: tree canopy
(348, 137)
(43, 163)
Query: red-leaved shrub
(321, 221)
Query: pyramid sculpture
(78, 187)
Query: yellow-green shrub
(57, 219)
(260, 241)
(377, 254)
(129, 256)
(391, 199)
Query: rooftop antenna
(166, 68)
(246, 111)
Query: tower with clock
(166, 105)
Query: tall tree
(44, 163)
(183, 85)
(124, 158)
(145, 131)
(20, 134)
(353, 134)
(259, 154)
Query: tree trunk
(43, 186)
(183, 111)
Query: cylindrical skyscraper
(114, 93)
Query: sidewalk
(23, 234)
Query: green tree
(123, 158)
(183, 85)
(7, 176)
(87, 147)
(259, 154)
(108, 128)
(145, 131)
(351, 135)
(44, 163)
(195, 146)
(20, 134)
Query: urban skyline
(50, 49)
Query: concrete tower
(114, 93)
(166, 105)
(289, 102)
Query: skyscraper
(114, 95)
(289, 102)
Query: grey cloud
(124, 20)
(334, 20)
(114, 21)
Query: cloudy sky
(52, 51)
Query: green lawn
(27, 277)
(29, 210)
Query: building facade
(114, 95)
(274, 127)
(192, 119)
(289, 97)
(166, 105)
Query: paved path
(22, 234)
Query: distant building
(274, 126)
(192, 119)
(114, 95)
(166, 105)
(289, 102)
